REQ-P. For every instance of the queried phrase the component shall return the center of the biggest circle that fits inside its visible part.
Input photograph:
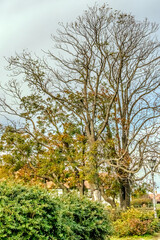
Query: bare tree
(137, 108)
(105, 73)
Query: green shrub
(31, 213)
(139, 202)
(114, 213)
(26, 213)
(158, 213)
(80, 218)
(136, 222)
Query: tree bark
(82, 188)
(125, 192)
(97, 195)
(109, 200)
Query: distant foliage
(140, 202)
(30, 213)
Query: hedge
(31, 213)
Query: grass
(146, 237)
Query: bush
(26, 213)
(136, 222)
(158, 213)
(82, 219)
(114, 213)
(139, 202)
(31, 213)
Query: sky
(28, 24)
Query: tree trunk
(109, 200)
(82, 188)
(97, 195)
(125, 192)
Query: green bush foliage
(26, 213)
(114, 214)
(31, 213)
(139, 202)
(82, 219)
(158, 213)
(136, 222)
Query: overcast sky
(29, 23)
